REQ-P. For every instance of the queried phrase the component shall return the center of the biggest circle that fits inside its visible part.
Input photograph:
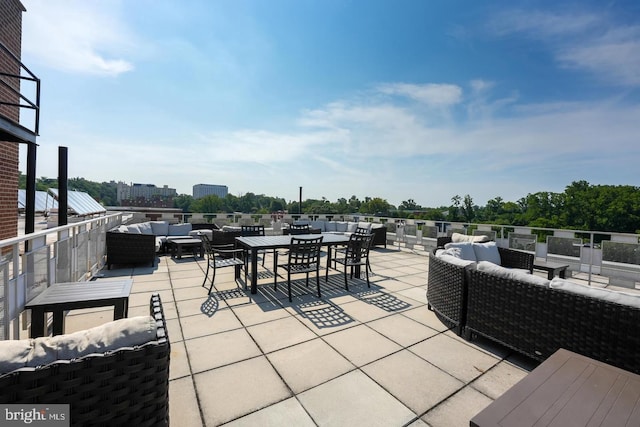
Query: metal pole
(63, 197)
(300, 202)
(30, 207)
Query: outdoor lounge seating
(378, 230)
(113, 374)
(531, 314)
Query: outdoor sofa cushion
(466, 250)
(609, 295)
(512, 273)
(459, 238)
(179, 229)
(128, 332)
(487, 252)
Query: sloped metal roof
(80, 202)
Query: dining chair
(222, 256)
(253, 230)
(303, 256)
(296, 229)
(339, 251)
(356, 255)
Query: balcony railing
(77, 251)
(63, 254)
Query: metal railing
(68, 253)
(24, 102)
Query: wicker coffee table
(178, 246)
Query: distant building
(139, 193)
(201, 190)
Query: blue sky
(402, 99)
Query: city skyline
(399, 100)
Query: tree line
(612, 208)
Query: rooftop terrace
(370, 356)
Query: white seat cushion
(609, 295)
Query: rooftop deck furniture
(355, 256)
(128, 248)
(537, 320)
(254, 244)
(552, 268)
(61, 297)
(125, 386)
(303, 257)
(178, 246)
(222, 256)
(447, 285)
(568, 389)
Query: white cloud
(77, 36)
(435, 95)
(594, 42)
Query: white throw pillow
(145, 228)
(609, 295)
(318, 225)
(341, 226)
(466, 250)
(160, 228)
(460, 238)
(351, 227)
(179, 229)
(457, 261)
(365, 225)
(133, 229)
(487, 252)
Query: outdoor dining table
(253, 244)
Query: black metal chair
(221, 256)
(303, 257)
(253, 230)
(297, 229)
(356, 255)
(341, 251)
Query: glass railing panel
(63, 251)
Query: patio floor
(367, 356)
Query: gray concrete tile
(354, 400)
(220, 349)
(460, 360)
(201, 324)
(413, 381)
(495, 382)
(179, 366)
(280, 333)
(458, 409)
(236, 390)
(308, 364)
(286, 413)
(183, 406)
(402, 330)
(361, 345)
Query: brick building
(11, 37)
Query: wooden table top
(568, 390)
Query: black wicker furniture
(126, 386)
(537, 320)
(129, 248)
(447, 285)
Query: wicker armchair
(447, 286)
(129, 248)
(127, 386)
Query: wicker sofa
(378, 230)
(447, 284)
(139, 243)
(123, 386)
(535, 316)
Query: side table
(61, 297)
(568, 390)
